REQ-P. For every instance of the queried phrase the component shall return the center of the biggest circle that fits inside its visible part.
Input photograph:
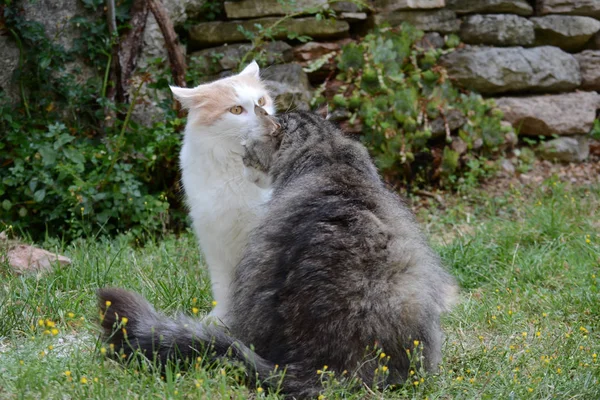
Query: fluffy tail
(131, 324)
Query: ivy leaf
(39, 195)
(48, 155)
(62, 140)
(74, 156)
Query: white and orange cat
(224, 205)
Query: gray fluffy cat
(337, 265)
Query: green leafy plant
(407, 110)
(65, 171)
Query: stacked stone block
(539, 58)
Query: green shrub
(65, 170)
(396, 91)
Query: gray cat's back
(338, 264)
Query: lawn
(527, 326)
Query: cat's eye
(237, 110)
(262, 101)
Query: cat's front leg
(221, 288)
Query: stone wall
(539, 59)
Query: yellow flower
(108, 303)
(524, 334)
(214, 303)
(259, 390)
(319, 372)
(41, 322)
(21, 362)
(384, 368)
(54, 331)
(558, 370)
(50, 324)
(194, 300)
(67, 373)
(83, 380)
(46, 332)
(529, 390)
(544, 315)
(321, 397)
(71, 315)
(325, 367)
(195, 310)
(472, 380)
(459, 378)
(588, 241)
(103, 350)
(50, 347)
(583, 329)
(416, 383)
(382, 355)
(416, 343)
(538, 334)
(124, 320)
(96, 380)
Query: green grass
(527, 326)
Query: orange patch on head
(216, 99)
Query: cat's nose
(261, 112)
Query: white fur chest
(224, 207)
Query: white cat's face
(226, 107)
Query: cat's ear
(252, 69)
(323, 111)
(189, 98)
(274, 128)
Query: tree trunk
(176, 58)
(131, 44)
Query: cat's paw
(259, 178)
